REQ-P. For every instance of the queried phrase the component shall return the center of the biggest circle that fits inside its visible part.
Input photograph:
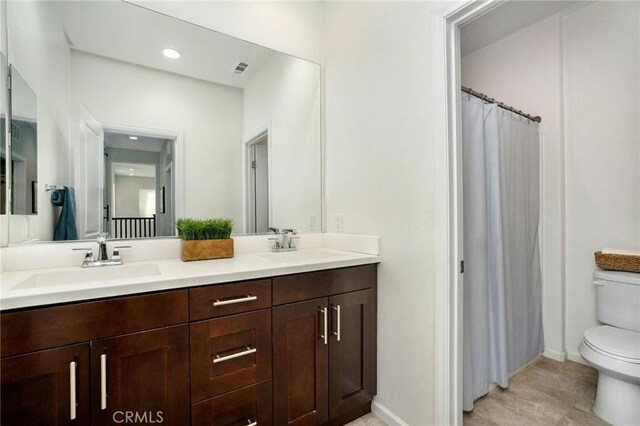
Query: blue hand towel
(66, 227)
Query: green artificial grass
(204, 229)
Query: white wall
(524, 70)
(128, 194)
(284, 95)
(602, 138)
(40, 54)
(117, 155)
(383, 103)
(291, 27)
(580, 72)
(209, 114)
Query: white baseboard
(576, 357)
(555, 355)
(384, 414)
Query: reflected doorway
(258, 184)
(138, 197)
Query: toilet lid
(615, 341)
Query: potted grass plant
(205, 238)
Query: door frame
(448, 215)
(177, 162)
(246, 166)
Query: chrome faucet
(103, 258)
(287, 242)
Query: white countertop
(170, 274)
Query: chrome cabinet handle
(247, 298)
(248, 351)
(250, 423)
(72, 390)
(325, 335)
(103, 381)
(337, 332)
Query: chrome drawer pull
(250, 423)
(72, 390)
(247, 298)
(103, 381)
(337, 332)
(219, 358)
(325, 335)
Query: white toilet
(614, 348)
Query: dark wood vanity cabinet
(324, 351)
(145, 373)
(38, 388)
(297, 349)
(251, 405)
(229, 353)
(143, 366)
(300, 363)
(352, 353)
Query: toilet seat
(617, 343)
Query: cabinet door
(142, 375)
(352, 365)
(40, 388)
(229, 353)
(300, 351)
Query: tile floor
(367, 420)
(546, 393)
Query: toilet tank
(618, 299)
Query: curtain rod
(486, 98)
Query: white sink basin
(97, 274)
(301, 255)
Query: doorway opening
(138, 196)
(257, 181)
(535, 53)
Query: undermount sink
(98, 274)
(301, 255)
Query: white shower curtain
(502, 288)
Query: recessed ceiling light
(130, 174)
(131, 170)
(133, 138)
(171, 53)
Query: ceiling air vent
(241, 68)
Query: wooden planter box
(206, 249)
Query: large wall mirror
(135, 119)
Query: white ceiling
(507, 19)
(134, 170)
(143, 143)
(130, 33)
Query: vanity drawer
(311, 285)
(219, 300)
(229, 353)
(250, 405)
(35, 329)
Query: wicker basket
(206, 249)
(618, 262)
